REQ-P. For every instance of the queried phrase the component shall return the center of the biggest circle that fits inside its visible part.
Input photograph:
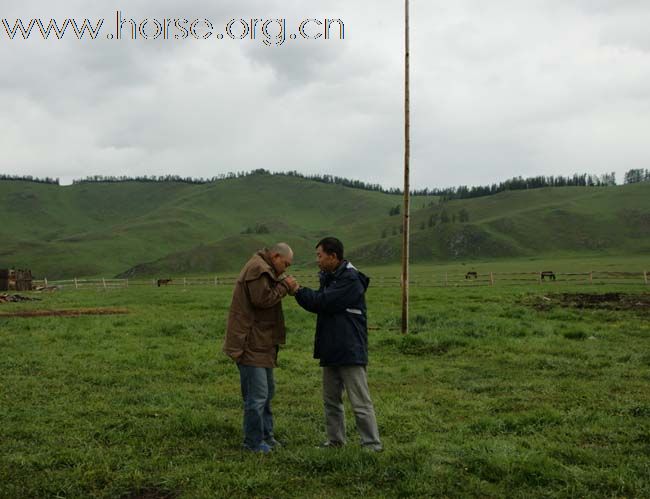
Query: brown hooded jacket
(256, 322)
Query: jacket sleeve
(340, 295)
(264, 292)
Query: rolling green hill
(148, 228)
(559, 222)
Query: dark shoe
(330, 445)
(264, 448)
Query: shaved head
(281, 248)
(281, 256)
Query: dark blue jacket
(341, 326)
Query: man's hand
(292, 284)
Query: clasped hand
(292, 284)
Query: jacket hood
(346, 266)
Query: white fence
(423, 280)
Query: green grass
(489, 397)
(153, 229)
(568, 264)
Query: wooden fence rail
(447, 279)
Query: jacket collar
(341, 268)
(266, 256)
(336, 273)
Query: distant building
(15, 280)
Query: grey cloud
(498, 89)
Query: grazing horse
(548, 273)
(163, 282)
(471, 274)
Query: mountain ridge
(150, 228)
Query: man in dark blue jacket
(341, 343)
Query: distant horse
(548, 273)
(471, 274)
(163, 282)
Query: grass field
(575, 263)
(499, 392)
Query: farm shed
(15, 280)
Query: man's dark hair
(331, 245)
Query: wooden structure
(15, 280)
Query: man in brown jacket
(253, 337)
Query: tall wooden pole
(407, 157)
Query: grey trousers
(355, 381)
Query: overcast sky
(499, 88)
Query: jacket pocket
(261, 336)
(237, 333)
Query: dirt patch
(65, 313)
(639, 302)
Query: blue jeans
(257, 389)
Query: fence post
(45, 279)
(645, 276)
(539, 277)
(591, 277)
(491, 279)
(127, 283)
(184, 281)
(76, 286)
(104, 282)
